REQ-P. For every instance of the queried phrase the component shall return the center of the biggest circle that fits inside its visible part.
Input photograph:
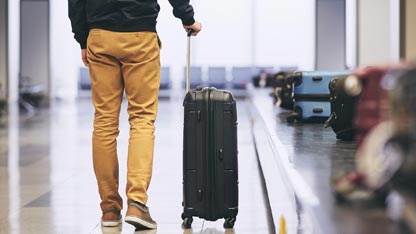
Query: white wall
(378, 34)
(351, 33)
(64, 51)
(284, 35)
(226, 38)
(14, 51)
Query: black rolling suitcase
(210, 168)
(263, 79)
(283, 91)
(343, 107)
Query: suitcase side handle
(295, 79)
(318, 110)
(317, 78)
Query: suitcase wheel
(296, 114)
(187, 223)
(291, 118)
(229, 222)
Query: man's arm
(184, 11)
(78, 17)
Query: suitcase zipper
(207, 164)
(211, 155)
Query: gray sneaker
(138, 215)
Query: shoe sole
(113, 223)
(138, 223)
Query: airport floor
(48, 185)
(47, 182)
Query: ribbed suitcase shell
(210, 165)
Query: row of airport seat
(216, 76)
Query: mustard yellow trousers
(130, 62)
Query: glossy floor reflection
(317, 156)
(47, 182)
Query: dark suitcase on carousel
(342, 107)
(263, 79)
(210, 165)
(311, 95)
(283, 91)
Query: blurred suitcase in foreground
(283, 91)
(403, 116)
(401, 148)
(372, 105)
(311, 95)
(404, 178)
(210, 164)
(393, 158)
(342, 107)
(386, 155)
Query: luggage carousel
(298, 161)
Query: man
(120, 46)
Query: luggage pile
(373, 106)
(263, 79)
(317, 97)
(311, 95)
(385, 122)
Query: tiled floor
(47, 184)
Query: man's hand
(196, 28)
(84, 57)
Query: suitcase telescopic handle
(188, 61)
